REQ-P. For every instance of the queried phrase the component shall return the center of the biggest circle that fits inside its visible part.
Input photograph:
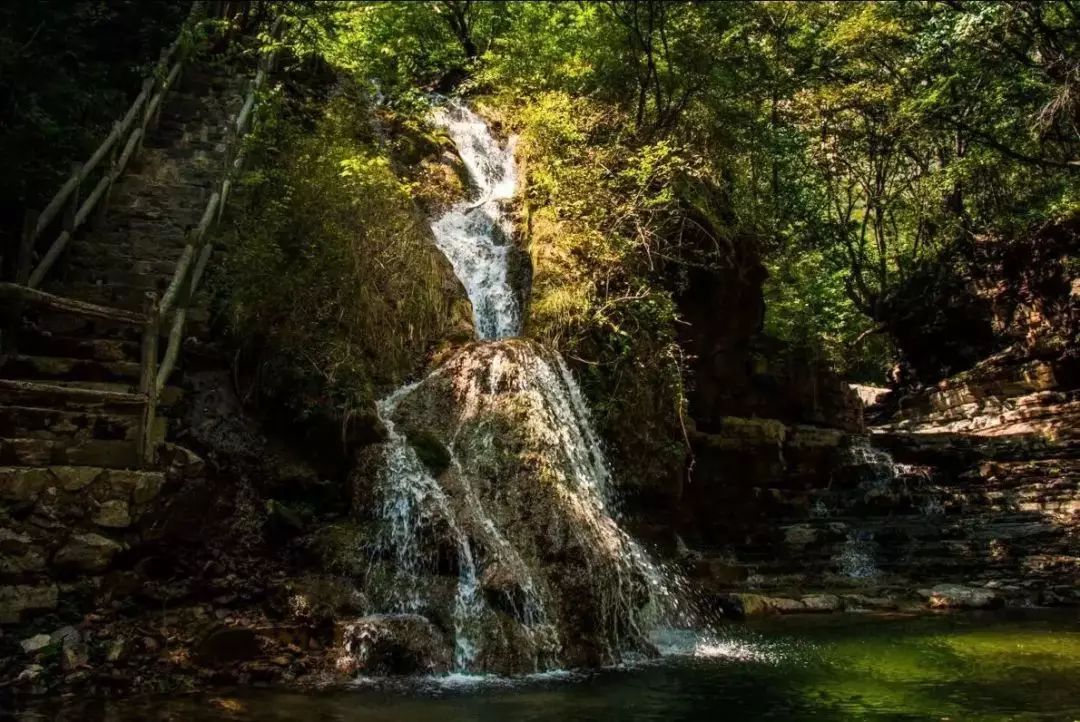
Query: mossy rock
(340, 547)
(430, 450)
(283, 521)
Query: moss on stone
(430, 450)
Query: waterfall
(494, 497)
(475, 234)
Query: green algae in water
(1002, 666)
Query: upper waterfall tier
(475, 234)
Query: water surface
(1006, 666)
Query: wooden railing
(123, 143)
(129, 133)
(192, 264)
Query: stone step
(31, 422)
(91, 330)
(78, 347)
(121, 277)
(122, 297)
(109, 454)
(61, 324)
(80, 395)
(20, 483)
(111, 259)
(68, 369)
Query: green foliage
(332, 276)
(600, 228)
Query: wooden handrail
(75, 392)
(196, 255)
(126, 132)
(129, 133)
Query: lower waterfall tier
(493, 520)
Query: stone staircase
(71, 490)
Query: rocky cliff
(966, 493)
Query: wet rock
(956, 596)
(16, 599)
(800, 535)
(35, 643)
(322, 598)
(282, 521)
(863, 601)
(226, 645)
(430, 450)
(784, 605)
(822, 603)
(398, 644)
(87, 553)
(113, 514)
(755, 605)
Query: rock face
(509, 549)
(738, 371)
(392, 644)
(970, 480)
(956, 596)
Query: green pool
(1002, 666)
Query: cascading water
(474, 235)
(506, 539)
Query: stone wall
(63, 526)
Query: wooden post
(71, 209)
(24, 261)
(103, 204)
(148, 379)
(153, 122)
(144, 124)
(25, 258)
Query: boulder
(392, 644)
(65, 636)
(226, 645)
(147, 487)
(800, 535)
(74, 478)
(19, 554)
(957, 596)
(113, 514)
(14, 600)
(822, 603)
(74, 656)
(86, 553)
(22, 484)
(756, 605)
(282, 521)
